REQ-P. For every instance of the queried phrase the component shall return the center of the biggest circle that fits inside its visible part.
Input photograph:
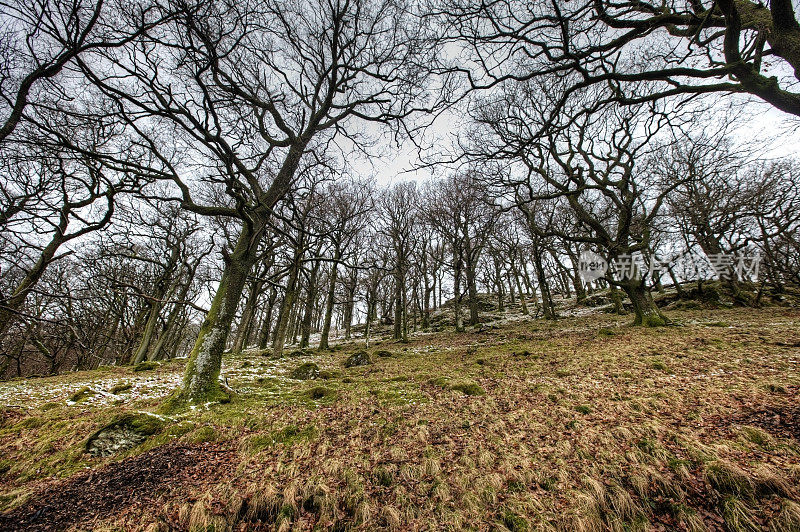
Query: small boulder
(359, 358)
(305, 372)
(123, 433)
(383, 353)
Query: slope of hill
(584, 423)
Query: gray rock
(359, 358)
(305, 372)
(124, 433)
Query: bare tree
(400, 222)
(347, 210)
(250, 89)
(640, 51)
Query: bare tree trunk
(266, 326)
(577, 284)
(10, 307)
(678, 288)
(248, 316)
(311, 299)
(498, 275)
(472, 289)
(329, 301)
(157, 352)
(511, 292)
(348, 309)
(296, 321)
(522, 300)
(284, 315)
(544, 288)
(426, 309)
(457, 299)
(144, 345)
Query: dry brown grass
(583, 433)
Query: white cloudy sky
(776, 133)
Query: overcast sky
(758, 123)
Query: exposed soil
(781, 421)
(121, 487)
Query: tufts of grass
(729, 479)
(776, 388)
(204, 434)
(513, 521)
(757, 436)
(384, 477)
(82, 395)
(659, 365)
(32, 422)
(468, 388)
(583, 409)
(738, 516)
(216, 510)
(441, 382)
(120, 388)
(318, 393)
(291, 434)
(787, 519)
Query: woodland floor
(585, 423)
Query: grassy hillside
(581, 424)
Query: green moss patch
(468, 388)
(82, 395)
(145, 366)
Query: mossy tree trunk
(201, 377)
(616, 299)
(645, 309)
